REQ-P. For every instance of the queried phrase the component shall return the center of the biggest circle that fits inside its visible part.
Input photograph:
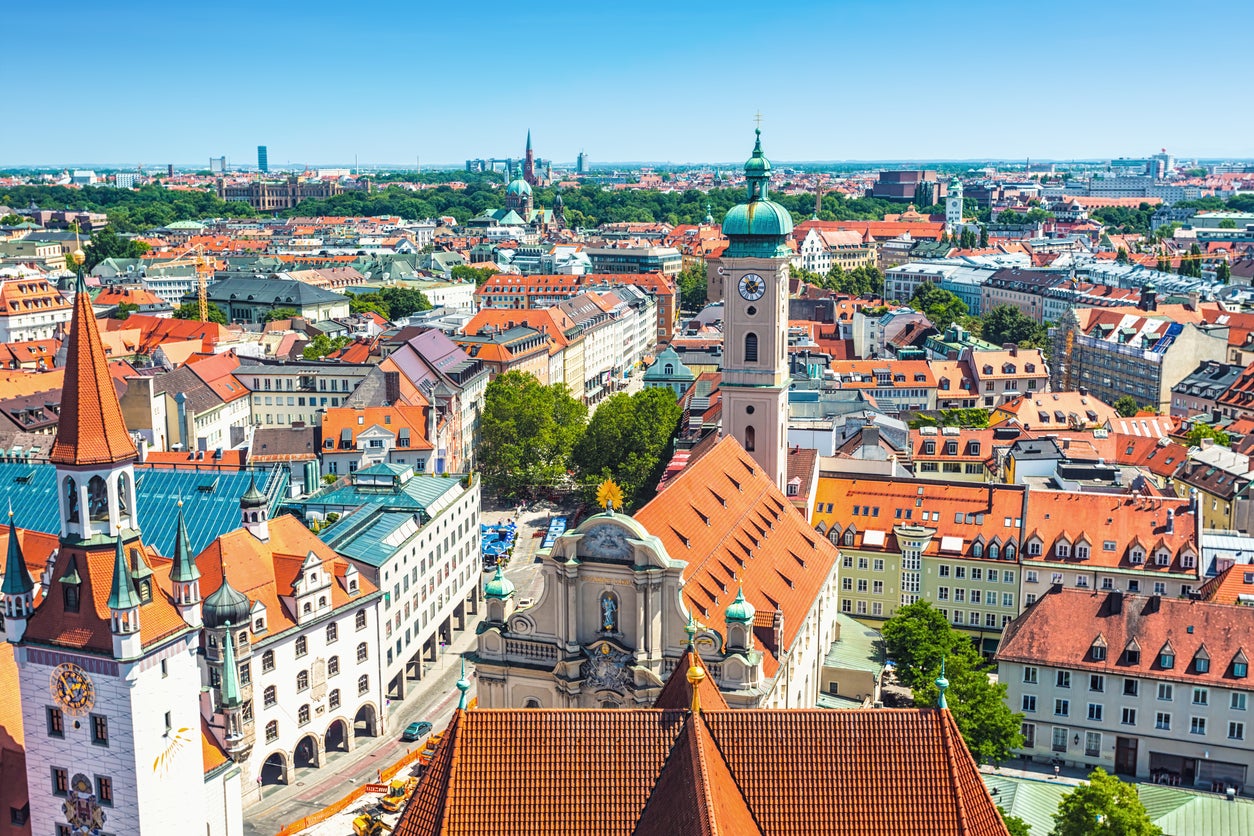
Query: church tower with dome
(518, 198)
(755, 322)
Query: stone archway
(337, 738)
(274, 770)
(308, 752)
(366, 722)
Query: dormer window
(1082, 551)
(1162, 557)
(977, 549)
(1097, 650)
(1240, 666)
(1188, 561)
(1063, 549)
(1201, 664)
(1167, 657)
(994, 552)
(1136, 556)
(1132, 653)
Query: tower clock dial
(72, 689)
(752, 286)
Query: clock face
(72, 689)
(752, 286)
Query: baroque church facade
(719, 558)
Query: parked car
(415, 731)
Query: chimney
(1171, 521)
(870, 436)
(391, 388)
(1115, 602)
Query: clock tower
(755, 323)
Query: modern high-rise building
(263, 159)
(217, 165)
(581, 164)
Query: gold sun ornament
(609, 496)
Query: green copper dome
(740, 610)
(759, 227)
(519, 187)
(499, 587)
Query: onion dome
(253, 498)
(740, 611)
(226, 605)
(499, 587)
(757, 228)
(518, 187)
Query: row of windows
(61, 785)
(288, 384)
(98, 723)
(977, 596)
(302, 642)
(303, 713)
(1131, 688)
(294, 401)
(978, 573)
(972, 619)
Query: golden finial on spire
(78, 256)
(609, 496)
(695, 677)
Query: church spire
(90, 429)
(230, 677)
(529, 139)
(16, 578)
(122, 593)
(184, 569)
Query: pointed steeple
(16, 578)
(90, 429)
(230, 677)
(529, 139)
(463, 685)
(942, 684)
(122, 593)
(184, 569)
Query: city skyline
(840, 82)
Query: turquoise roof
(361, 535)
(679, 371)
(757, 228)
(519, 186)
(859, 648)
(122, 592)
(499, 587)
(417, 493)
(740, 610)
(230, 675)
(210, 500)
(16, 576)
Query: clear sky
(318, 82)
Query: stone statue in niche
(609, 613)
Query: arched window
(302, 716)
(97, 499)
(849, 535)
(333, 632)
(1010, 551)
(322, 601)
(363, 684)
(977, 549)
(362, 652)
(333, 666)
(360, 619)
(751, 439)
(531, 702)
(272, 730)
(71, 499)
(267, 661)
(751, 347)
(302, 680)
(271, 696)
(669, 369)
(994, 551)
(334, 698)
(834, 536)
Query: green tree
(281, 313)
(627, 440)
(941, 307)
(362, 304)
(1105, 805)
(1126, 406)
(1006, 324)
(1223, 272)
(528, 433)
(1016, 825)
(108, 244)
(1121, 257)
(1199, 432)
(191, 310)
(322, 345)
(1227, 223)
(917, 638)
(12, 220)
(983, 236)
(478, 275)
(403, 301)
(693, 289)
(124, 309)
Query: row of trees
(130, 210)
(536, 436)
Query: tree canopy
(627, 440)
(528, 433)
(322, 345)
(1105, 806)
(191, 310)
(130, 210)
(467, 273)
(281, 313)
(108, 244)
(692, 287)
(1126, 406)
(917, 638)
(941, 307)
(1007, 324)
(1200, 432)
(392, 302)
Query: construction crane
(194, 254)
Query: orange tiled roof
(677, 693)
(211, 751)
(90, 429)
(1060, 629)
(718, 772)
(734, 527)
(354, 420)
(265, 571)
(88, 628)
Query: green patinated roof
(657, 371)
(417, 493)
(859, 648)
(518, 186)
(1178, 811)
(758, 227)
(363, 539)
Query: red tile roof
(1061, 628)
(725, 517)
(651, 772)
(90, 429)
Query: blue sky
(318, 82)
